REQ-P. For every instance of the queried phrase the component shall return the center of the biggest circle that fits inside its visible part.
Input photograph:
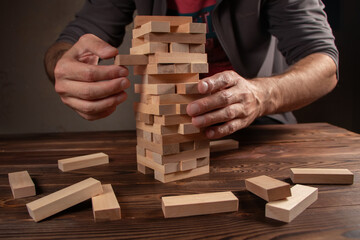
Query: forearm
(52, 55)
(306, 81)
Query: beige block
(175, 47)
(321, 176)
(170, 78)
(165, 178)
(194, 38)
(21, 184)
(173, 20)
(151, 27)
(178, 57)
(149, 48)
(105, 206)
(74, 163)
(130, 60)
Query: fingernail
(210, 133)
(123, 84)
(204, 87)
(198, 121)
(123, 72)
(193, 109)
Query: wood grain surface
(263, 150)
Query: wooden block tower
(169, 53)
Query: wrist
(52, 56)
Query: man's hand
(92, 91)
(234, 102)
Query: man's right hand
(93, 91)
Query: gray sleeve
(104, 18)
(302, 28)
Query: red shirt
(200, 11)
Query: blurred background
(29, 104)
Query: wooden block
(162, 149)
(162, 168)
(156, 109)
(152, 26)
(321, 176)
(188, 164)
(21, 184)
(175, 47)
(199, 204)
(174, 21)
(69, 164)
(193, 38)
(156, 128)
(186, 146)
(63, 199)
(137, 42)
(172, 119)
(131, 60)
(165, 178)
(144, 170)
(187, 128)
(223, 145)
(149, 48)
(201, 143)
(139, 133)
(187, 88)
(202, 161)
(170, 78)
(144, 117)
(181, 108)
(190, 28)
(269, 189)
(105, 206)
(140, 151)
(287, 209)
(177, 138)
(179, 57)
(197, 48)
(156, 89)
(148, 136)
(199, 68)
(171, 68)
(161, 159)
(175, 98)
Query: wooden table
(269, 150)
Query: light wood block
(170, 78)
(148, 136)
(149, 48)
(187, 128)
(170, 158)
(181, 108)
(140, 151)
(177, 138)
(223, 145)
(199, 68)
(167, 120)
(194, 38)
(162, 149)
(190, 28)
(202, 161)
(186, 146)
(105, 206)
(179, 57)
(137, 42)
(187, 88)
(165, 178)
(171, 68)
(188, 164)
(143, 117)
(197, 48)
(144, 170)
(175, 98)
(199, 204)
(69, 164)
(178, 47)
(156, 89)
(155, 109)
(156, 128)
(152, 26)
(63, 199)
(162, 168)
(21, 184)
(287, 209)
(174, 21)
(321, 176)
(268, 188)
(131, 60)
(202, 143)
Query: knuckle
(87, 93)
(89, 74)
(88, 108)
(230, 113)
(232, 127)
(224, 97)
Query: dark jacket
(248, 30)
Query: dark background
(28, 103)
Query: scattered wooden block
(223, 145)
(178, 47)
(321, 176)
(69, 164)
(63, 199)
(172, 119)
(187, 88)
(21, 184)
(190, 28)
(193, 38)
(149, 48)
(199, 204)
(174, 21)
(179, 57)
(105, 206)
(131, 60)
(187, 128)
(197, 48)
(155, 109)
(165, 178)
(156, 89)
(268, 188)
(188, 164)
(161, 159)
(287, 209)
(170, 78)
(152, 26)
